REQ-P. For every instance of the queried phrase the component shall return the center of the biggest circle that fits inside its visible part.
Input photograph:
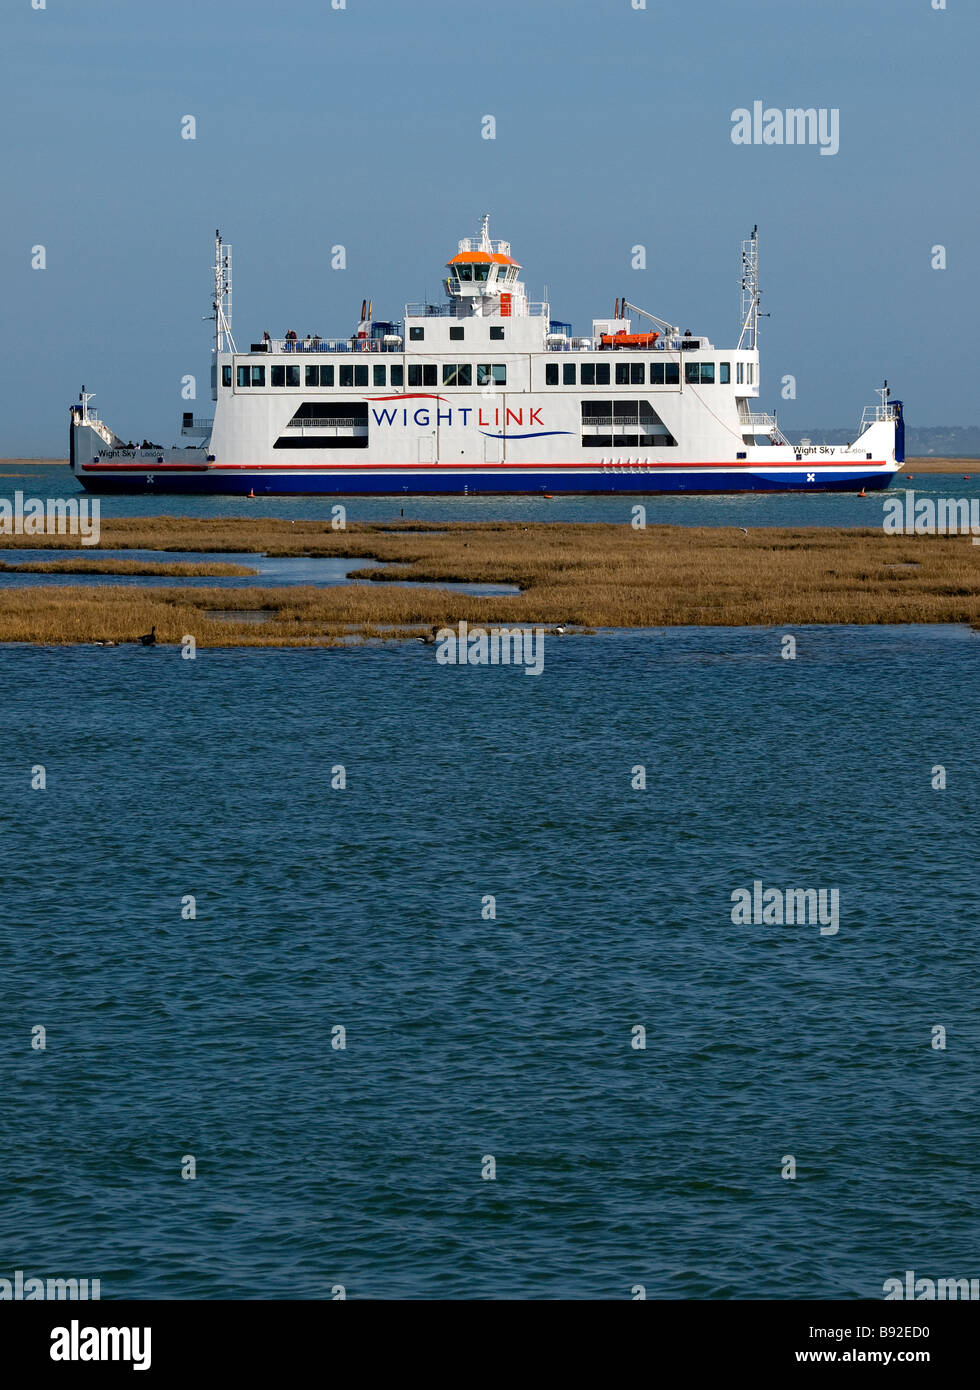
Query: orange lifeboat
(633, 340)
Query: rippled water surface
(361, 908)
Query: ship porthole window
(416, 335)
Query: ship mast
(221, 303)
(749, 336)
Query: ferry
(486, 393)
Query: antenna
(221, 303)
(749, 336)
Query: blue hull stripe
(381, 483)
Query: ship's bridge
(483, 279)
(481, 284)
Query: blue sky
(362, 126)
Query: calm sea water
(787, 509)
(465, 1037)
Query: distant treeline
(939, 441)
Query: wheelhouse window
(285, 376)
(740, 373)
(398, 375)
(465, 272)
(243, 376)
(481, 273)
(422, 374)
(496, 334)
(258, 376)
(455, 334)
(724, 373)
(312, 376)
(568, 374)
(346, 374)
(630, 373)
(491, 374)
(379, 374)
(416, 335)
(457, 374)
(226, 375)
(665, 374)
(361, 375)
(326, 375)
(550, 373)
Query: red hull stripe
(530, 467)
(408, 396)
(146, 467)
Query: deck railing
(318, 423)
(302, 346)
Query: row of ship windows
(347, 374)
(634, 373)
(490, 374)
(416, 334)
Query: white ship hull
(486, 394)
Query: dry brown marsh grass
(584, 575)
(180, 569)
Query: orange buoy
(862, 493)
(548, 495)
(251, 493)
